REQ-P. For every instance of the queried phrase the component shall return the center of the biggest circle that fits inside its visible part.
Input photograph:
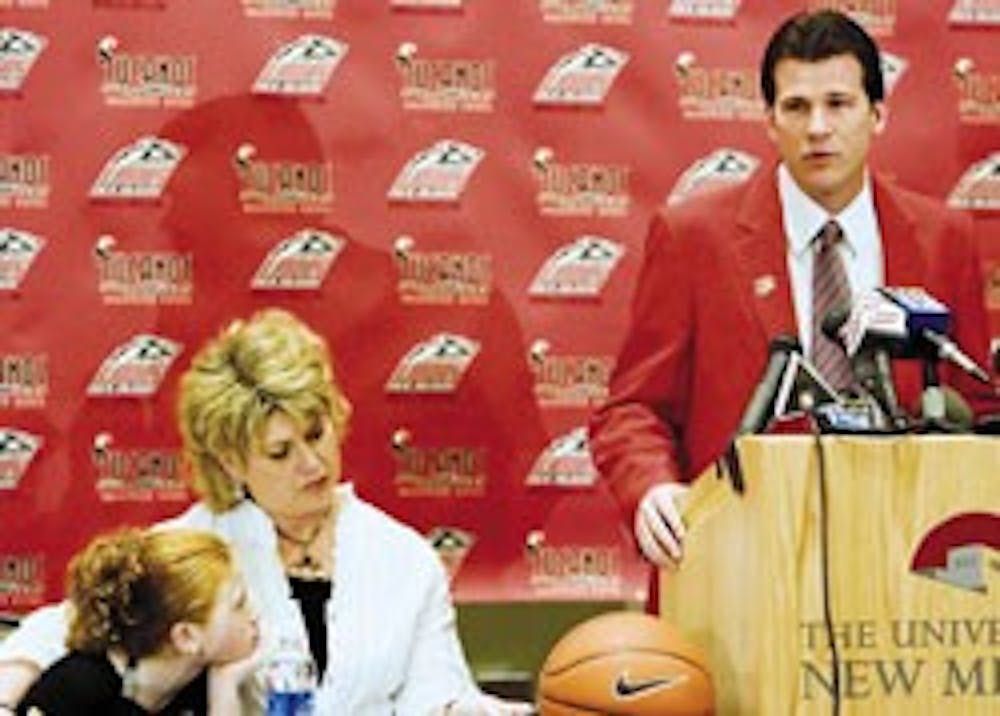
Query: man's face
(822, 123)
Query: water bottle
(290, 680)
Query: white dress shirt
(861, 249)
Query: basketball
(625, 663)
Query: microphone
(760, 409)
(870, 365)
(908, 323)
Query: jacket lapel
(760, 248)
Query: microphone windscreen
(957, 410)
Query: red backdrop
(465, 187)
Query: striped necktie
(830, 290)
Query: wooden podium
(914, 568)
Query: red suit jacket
(714, 290)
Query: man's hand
(658, 525)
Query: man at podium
(726, 273)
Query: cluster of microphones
(885, 324)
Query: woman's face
(291, 473)
(231, 632)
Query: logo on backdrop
(136, 474)
(24, 380)
(17, 449)
(139, 170)
(131, 4)
(301, 68)
(723, 167)
(962, 552)
(979, 187)
(893, 69)
(442, 277)
(18, 251)
(878, 17)
(24, 181)
(587, 12)
(580, 189)
(19, 49)
(565, 462)
(581, 78)
(141, 80)
(713, 10)
(581, 569)
(438, 174)
(978, 93)
(577, 270)
(436, 365)
(568, 381)
(718, 93)
(300, 262)
(135, 368)
(445, 85)
(426, 4)
(24, 4)
(993, 285)
(452, 546)
(142, 277)
(305, 9)
(282, 186)
(22, 580)
(975, 12)
(451, 471)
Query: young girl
(160, 625)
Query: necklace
(306, 565)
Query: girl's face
(231, 632)
(293, 470)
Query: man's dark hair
(814, 36)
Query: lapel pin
(764, 286)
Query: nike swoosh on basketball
(627, 690)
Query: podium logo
(24, 181)
(19, 50)
(978, 93)
(975, 12)
(581, 78)
(452, 546)
(436, 365)
(18, 250)
(22, 580)
(717, 93)
(137, 474)
(577, 270)
(878, 17)
(140, 170)
(300, 262)
(566, 462)
(445, 85)
(979, 188)
(17, 449)
(135, 368)
(963, 552)
(145, 80)
(143, 277)
(291, 9)
(438, 174)
(587, 12)
(723, 167)
(24, 380)
(301, 68)
(713, 10)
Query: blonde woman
(262, 420)
(160, 625)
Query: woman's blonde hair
(128, 588)
(252, 369)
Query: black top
(82, 684)
(312, 596)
